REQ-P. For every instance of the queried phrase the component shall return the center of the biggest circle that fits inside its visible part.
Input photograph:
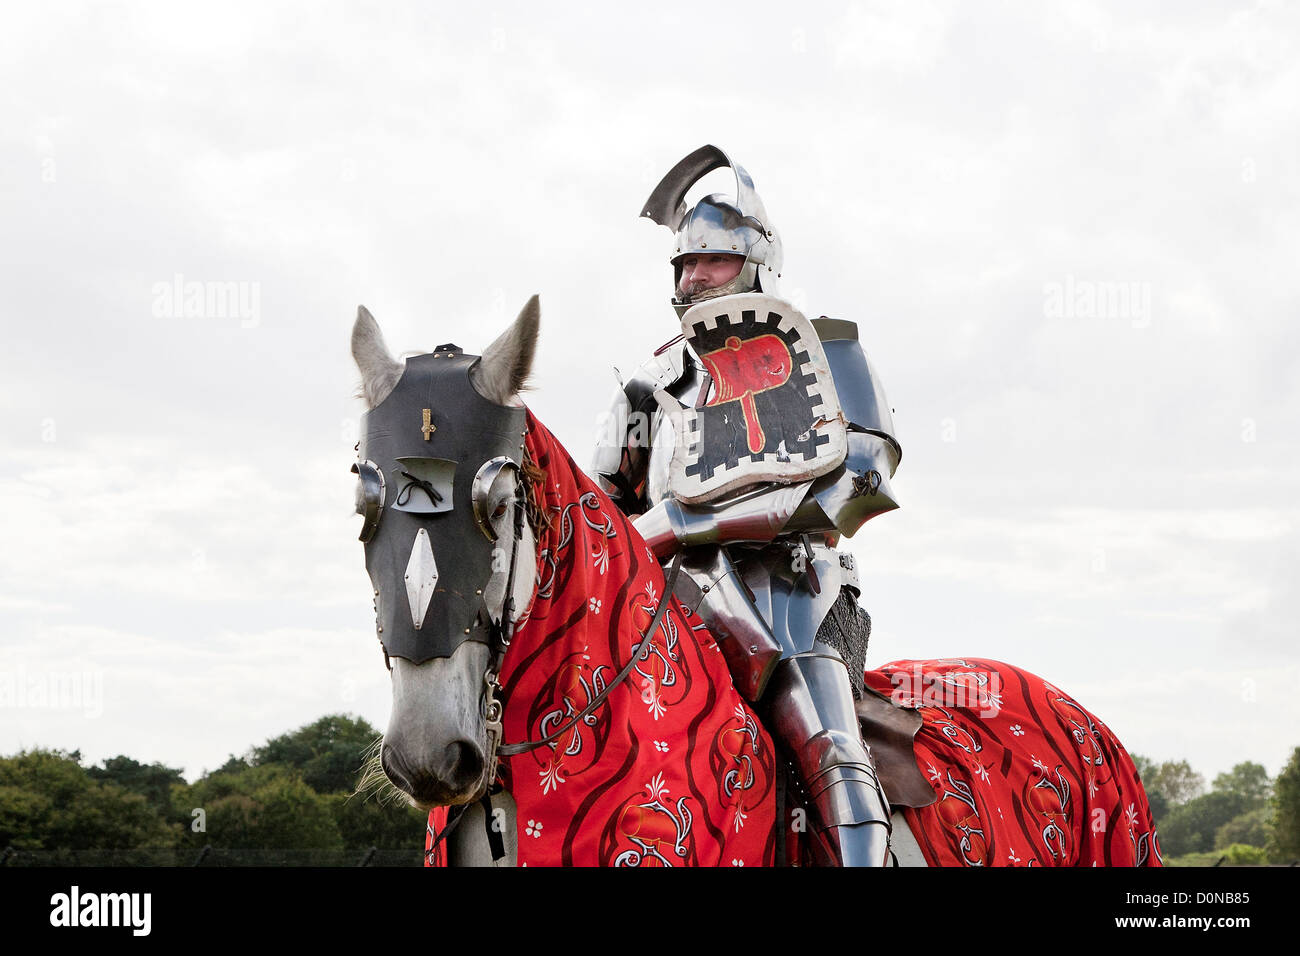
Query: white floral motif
(657, 789)
(740, 818)
(981, 771)
(534, 829)
(1012, 857)
(661, 746)
(1017, 730)
(551, 778)
(933, 773)
(593, 604)
(737, 862)
(656, 702)
(1039, 765)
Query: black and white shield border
(683, 479)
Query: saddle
(889, 730)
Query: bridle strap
(510, 750)
(502, 635)
(454, 816)
(495, 842)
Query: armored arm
(837, 503)
(618, 464)
(626, 430)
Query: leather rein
(501, 634)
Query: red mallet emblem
(741, 370)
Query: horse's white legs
(904, 844)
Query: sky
(1068, 234)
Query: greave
(809, 709)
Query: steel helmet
(718, 223)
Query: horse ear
(501, 373)
(379, 370)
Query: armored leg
(711, 588)
(807, 701)
(809, 709)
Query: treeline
(293, 799)
(1244, 818)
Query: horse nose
(462, 761)
(437, 779)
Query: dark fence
(212, 856)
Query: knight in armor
(748, 446)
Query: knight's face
(708, 271)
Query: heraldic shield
(771, 412)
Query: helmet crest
(718, 223)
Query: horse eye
(481, 494)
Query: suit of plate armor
(759, 563)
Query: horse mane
(539, 519)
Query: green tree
(1253, 828)
(1191, 826)
(49, 802)
(1149, 773)
(152, 781)
(267, 807)
(1286, 812)
(366, 822)
(1178, 781)
(233, 764)
(328, 753)
(1249, 780)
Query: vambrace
(756, 518)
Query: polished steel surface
(775, 573)
(860, 389)
(483, 481)
(757, 517)
(421, 577)
(729, 224)
(666, 205)
(810, 710)
(719, 598)
(370, 497)
(634, 442)
(856, 491)
(613, 432)
(798, 606)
